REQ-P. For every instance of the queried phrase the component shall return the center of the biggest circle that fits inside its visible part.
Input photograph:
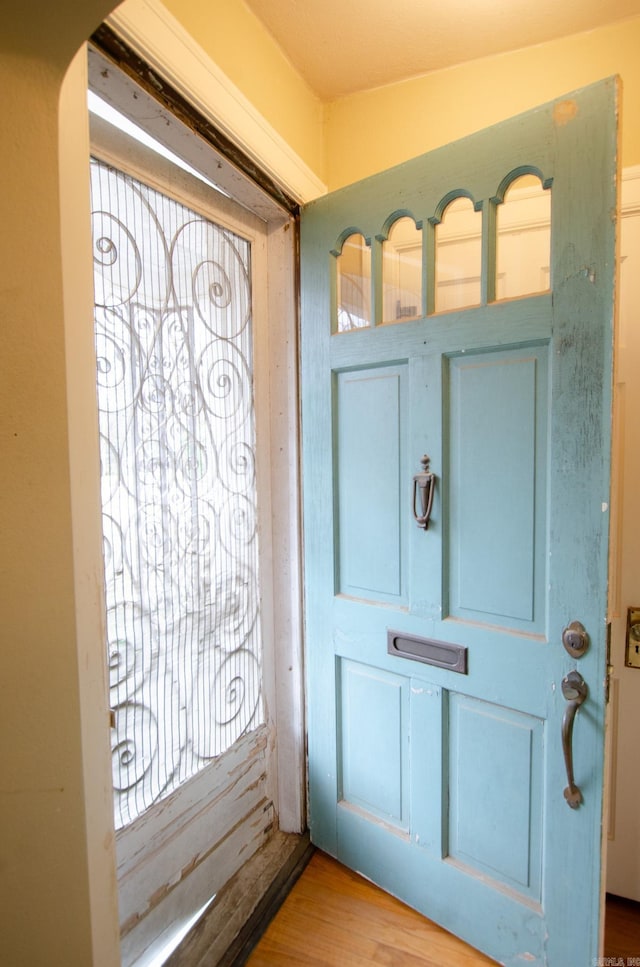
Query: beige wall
(374, 130)
(238, 43)
(56, 857)
(45, 862)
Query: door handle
(425, 483)
(574, 689)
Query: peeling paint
(605, 507)
(589, 273)
(159, 86)
(130, 923)
(189, 868)
(158, 895)
(564, 111)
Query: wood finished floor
(335, 918)
(622, 931)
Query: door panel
(373, 727)
(445, 787)
(370, 423)
(497, 475)
(503, 844)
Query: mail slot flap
(428, 650)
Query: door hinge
(607, 680)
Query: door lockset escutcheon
(575, 639)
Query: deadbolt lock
(575, 639)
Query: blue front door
(435, 657)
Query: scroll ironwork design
(174, 364)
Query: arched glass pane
(458, 248)
(402, 272)
(353, 284)
(523, 239)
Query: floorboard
(335, 918)
(622, 932)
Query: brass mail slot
(442, 654)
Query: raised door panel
(373, 743)
(495, 794)
(370, 418)
(497, 431)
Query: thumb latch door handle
(574, 689)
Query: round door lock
(575, 639)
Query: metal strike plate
(575, 639)
(442, 654)
(632, 649)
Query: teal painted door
(447, 787)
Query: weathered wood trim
(181, 852)
(286, 527)
(231, 927)
(239, 769)
(174, 59)
(107, 41)
(203, 882)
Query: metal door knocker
(425, 483)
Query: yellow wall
(47, 868)
(374, 130)
(235, 40)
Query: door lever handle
(574, 689)
(425, 483)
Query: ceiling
(344, 46)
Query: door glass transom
(470, 253)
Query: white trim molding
(155, 34)
(630, 191)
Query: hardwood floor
(622, 931)
(335, 918)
